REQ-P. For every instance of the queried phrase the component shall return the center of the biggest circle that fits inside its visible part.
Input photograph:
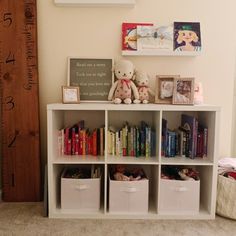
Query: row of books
(132, 141)
(189, 140)
(78, 140)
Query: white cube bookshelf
(99, 114)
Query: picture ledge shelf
(160, 53)
(96, 3)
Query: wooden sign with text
(93, 76)
(20, 151)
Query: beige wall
(96, 32)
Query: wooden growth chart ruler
(20, 153)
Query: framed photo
(93, 76)
(164, 88)
(187, 36)
(70, 94)
(183, 91)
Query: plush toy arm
(135, 90)
(112, 90)
(151, 92)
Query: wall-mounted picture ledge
(96, 3)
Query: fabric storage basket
(226, 197)
(82, 194)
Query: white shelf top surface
(132, 160)
(95, 3)
(131, 107)
(77, 159)
(178, 160)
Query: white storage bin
(82, 194)
(179, 197)
(128, 196)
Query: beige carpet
(26, 219)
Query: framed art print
(183, 91)
(70, 94)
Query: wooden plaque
(93, 76)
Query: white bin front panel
(181, 197)
(128, 196)
(81, 194)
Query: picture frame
(164, 88)
(183, 91)
(94, 77)
(70, 94)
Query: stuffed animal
(124, 89)
(198, 93)
(142, 81)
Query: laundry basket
(226, 197)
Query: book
(154, 38)
(189, 123)
(94, 146)
(137, 142)
(164, 137)
(187, 36)
(129, 35)
(117, 143)
(66, 141)
(102, 141)
(60, 142)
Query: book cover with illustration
(129, 35)
(187, 36)
(154, 38)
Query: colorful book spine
(137, 142)
(205, 142)
(109, 142)
(94, 149)
(60, 143)
(117, 143)
(73, 142)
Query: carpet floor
(27, 219)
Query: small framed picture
(70, 94)
(164, 88)
(183, 91)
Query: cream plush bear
(124, 89)
(142, 81)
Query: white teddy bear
(124, 89)
(142, 83)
